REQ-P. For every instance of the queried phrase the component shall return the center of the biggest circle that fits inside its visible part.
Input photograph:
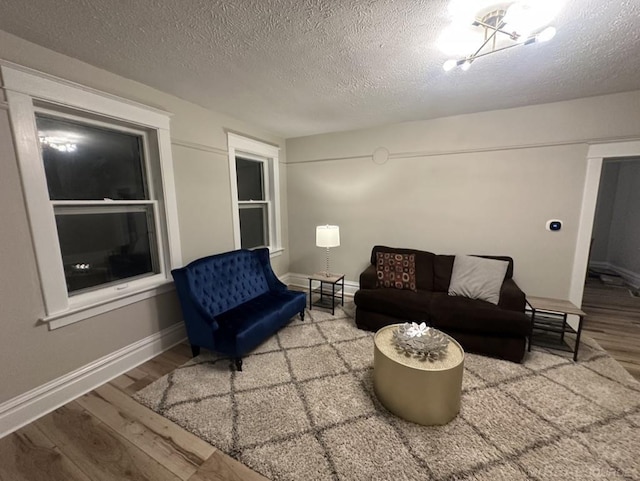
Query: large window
(254, 184)
(98, 181)
(103, 206)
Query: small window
(252, 203)
(250, 179)
(254, 180)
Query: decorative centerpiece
(420, 341)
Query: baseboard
(302, 281)
(285, 278)
(33, 404)
(600, 265)
(630, 277)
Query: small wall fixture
(327, 236)
(510, 25)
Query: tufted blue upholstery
(232, 302)
(220, 283)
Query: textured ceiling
(301, 67)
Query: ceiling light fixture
(61, 144)
(504, 24)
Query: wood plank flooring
(106, 436)
(613, 320)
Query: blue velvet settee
(232, 302)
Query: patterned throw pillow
(397, 271)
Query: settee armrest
(368, 278)
(511, 296)
(194, 314)
(275, 284)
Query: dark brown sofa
(479, 326)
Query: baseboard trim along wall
(302, 281)
(33, 404)
(632, 278)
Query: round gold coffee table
(423, 392)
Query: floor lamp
(327, 236)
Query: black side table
(549, 323)
(328, 293)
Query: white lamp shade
(327, 236)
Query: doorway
(614, 256)
(604, 281)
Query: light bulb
(449, 64)
(466, 65)
(527, 16)
(546, 35)
(458, 39)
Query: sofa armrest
(192, 310)
(511, 296)
(275, 284)
(368, 278)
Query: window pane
(250, 179)
(84, 162)
(105, 247)
(253, 226)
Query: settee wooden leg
(195, 350)
(238, 362)
(302, 315)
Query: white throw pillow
(477, 278)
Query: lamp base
(326, 272)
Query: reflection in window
(104, 247)
(84, 162)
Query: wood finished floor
(613, 320)
(106, 436)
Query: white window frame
(25, 91)
(251, 149)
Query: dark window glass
(250, 179)
(103, 247)
(83, 162)
(253, 226)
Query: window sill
(80, 313)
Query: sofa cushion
(423, 262)
(401, 304)
(477, 278)
(396, 271)
(472, 315)
(443, 267)
(247, 325)
(221, 282)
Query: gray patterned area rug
(304, 409)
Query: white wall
(32, 355)
(483, 183)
